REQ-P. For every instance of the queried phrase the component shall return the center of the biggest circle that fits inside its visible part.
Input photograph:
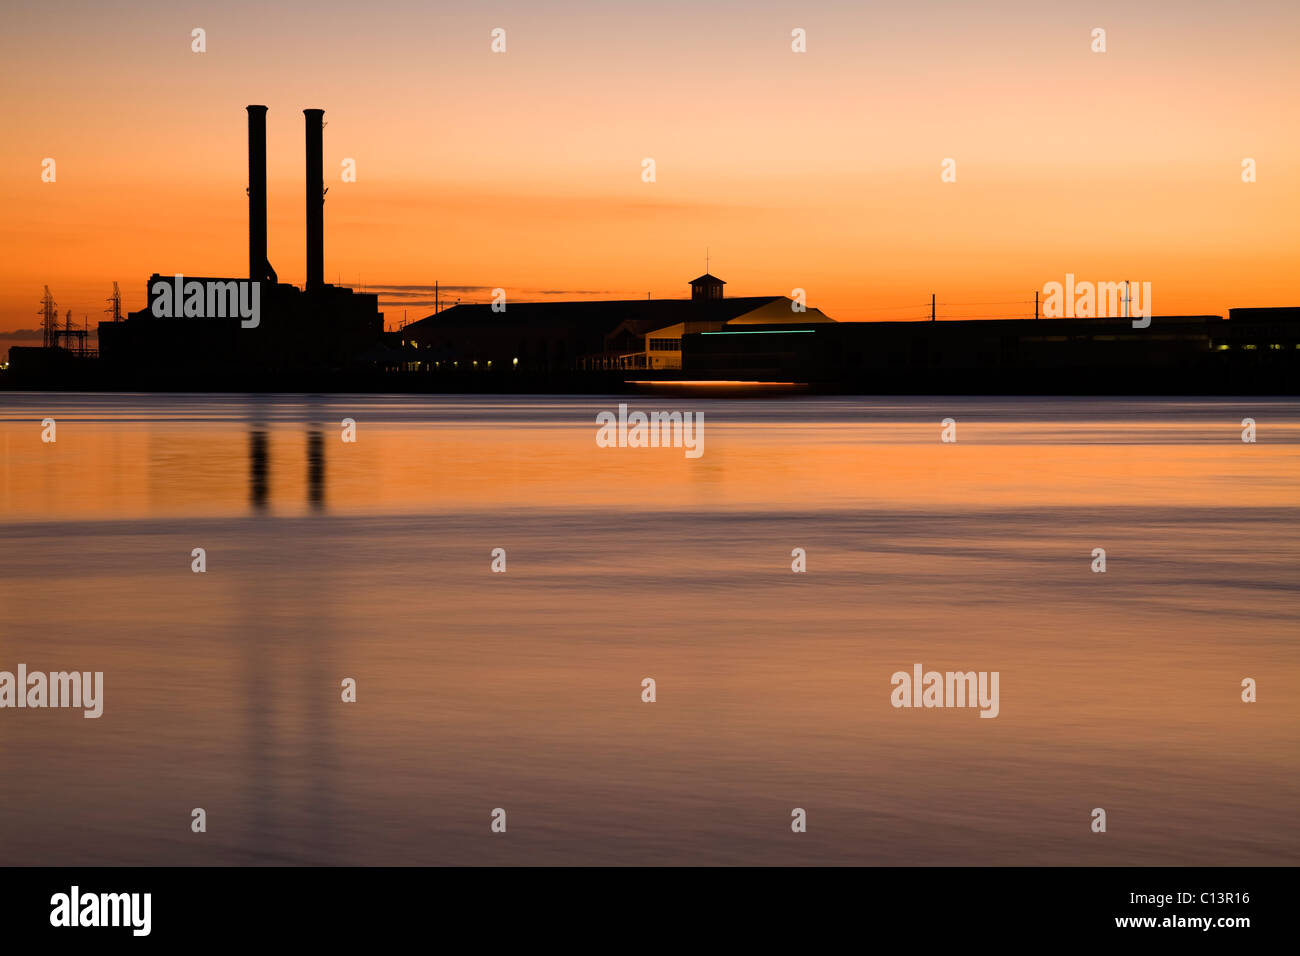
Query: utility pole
(1035, 305)
(931, 306)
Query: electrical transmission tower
(115, 304)
(50, 322)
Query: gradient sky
(523, 170)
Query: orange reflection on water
(143, 468)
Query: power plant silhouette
(320, 327)
(256, 332)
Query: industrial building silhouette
(329, 337)
(593, 335)
(318, 327)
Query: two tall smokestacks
(259, 266)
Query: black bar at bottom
(974, 905)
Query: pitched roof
(708, 279)
(598, 315)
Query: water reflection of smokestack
(259, 466)
(257, 601)
(316, 469)
(321, 685)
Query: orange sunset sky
(818, 170)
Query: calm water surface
(521, 690)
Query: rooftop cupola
(706, 287)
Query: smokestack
(258, 265)
(315, 201)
